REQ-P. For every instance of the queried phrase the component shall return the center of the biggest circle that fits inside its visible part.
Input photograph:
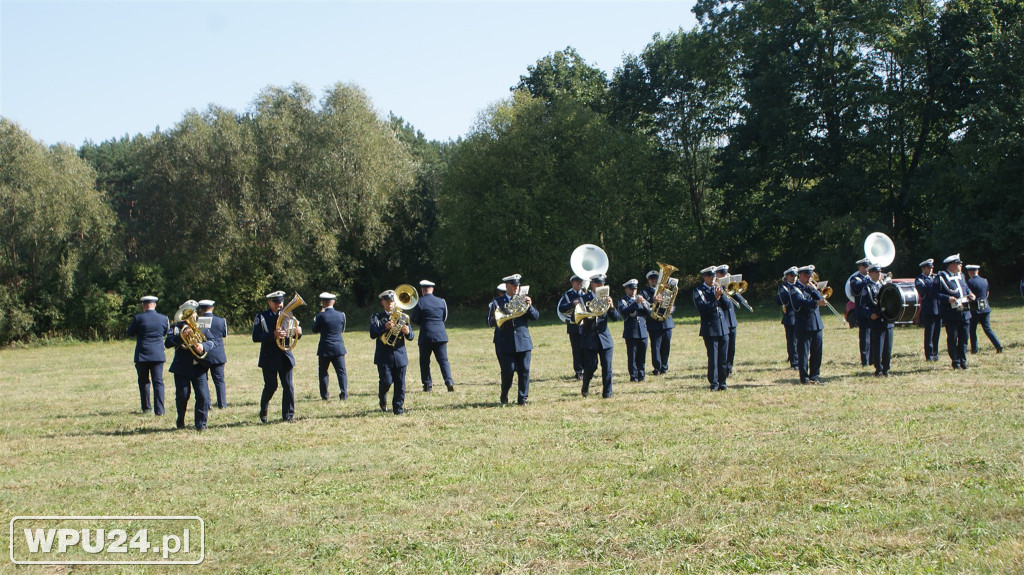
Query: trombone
(734, 288)
(826, 292)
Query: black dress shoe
(999, 350)
(399, 411)
(201, 429)
(584, 392)
(180, 425)
(522, 402)
(450, 386)
(263, 418)
(427, 389)
(289, 420)
(384, 407)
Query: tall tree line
(775, 132)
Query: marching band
(947, 299)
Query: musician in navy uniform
(216, 357)
(660, 332)
(566, 305)
(391, 361)
(880, 355)
(330, 324)
(806, 301)
(954, 305)
(513, 341)
(276, 363)
(500, 292)
(928, 293)
(596, 341)
(714, 327)
(857, 283)
(149, 328)
(782, 298)
(730, 317)
(980, 309)
(430, 314)
(634, 310)
(190, 371)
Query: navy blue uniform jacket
(217, 332)
(979, 287)
(514, 335)
(928, 293)
(330, 324)
(635, 316)
(713, 322)
(805, 303)
(271, 356)
(430, 314)
(184, 363)
(385, 354)
(783, 299)
(149, 327)
(952, 285)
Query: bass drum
(899, 303)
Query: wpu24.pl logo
(108, 540)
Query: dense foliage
(775, 132)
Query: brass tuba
(516, 307)
(288, 322)
(406, 298)
(667, 289)
(187, 314)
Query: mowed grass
(919, 473)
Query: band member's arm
(261, 332)
(531, 313)
(490, 313)
(173, 339)
(565, 303)
(378, 326)
(132, 328)
(414, 315)
(613, 313)
(407, 330)
(316, 323)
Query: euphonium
(406, 298)
(516, 307)
(187, 314)
(667, 289)
(290, 324)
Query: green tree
(562, 74)
(54, 241)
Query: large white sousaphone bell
(588, 260)
(880, 250)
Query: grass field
(919, 473)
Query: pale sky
(73, 71)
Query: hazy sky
(75, 71)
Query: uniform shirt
(594, 332)
(184, 363)
(330, 324)
(430, 314)
(149, 328)
(927, 292)
(655, 325)
(217, 331)
(385, 354)
(782, 298)
(979, 287)
(713, 322)
(634, 316)
(514, 335)
(804, 300)
(271, 356)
